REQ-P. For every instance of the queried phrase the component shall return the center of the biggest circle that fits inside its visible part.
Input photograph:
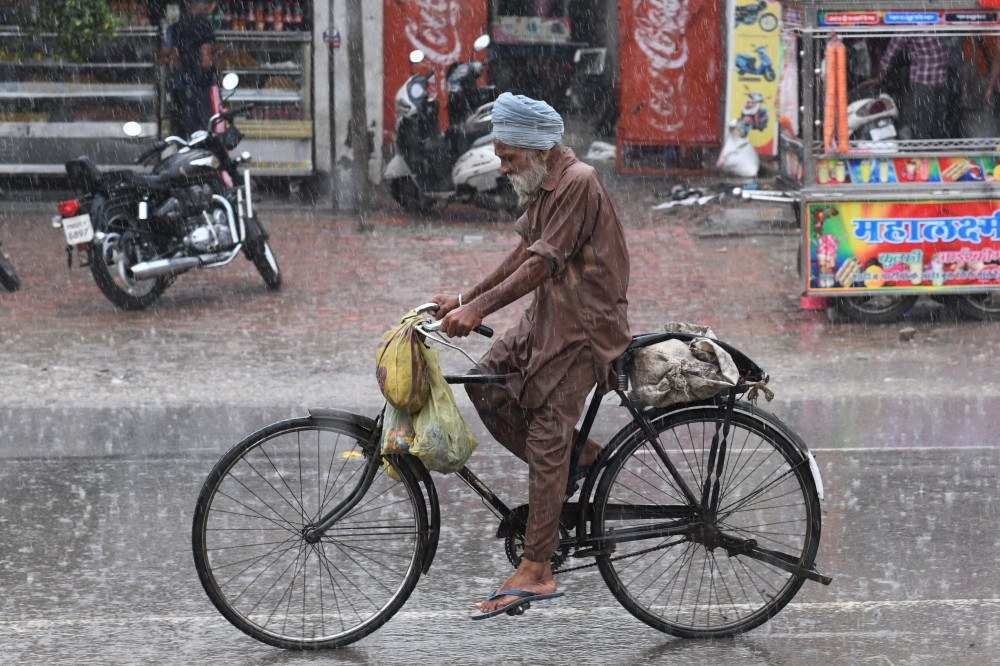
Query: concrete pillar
(341, 112)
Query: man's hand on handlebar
(445, 305)
(459, 322)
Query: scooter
(873, 118)
(753, 115)
(762, 65)
(458, 164)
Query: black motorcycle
(139, 231)
(8, 276)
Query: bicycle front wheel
(250, 546)
(689, 585)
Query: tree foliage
(81, 26)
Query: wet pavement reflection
(96, 567)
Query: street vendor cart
(890, 209)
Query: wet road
(95, 566)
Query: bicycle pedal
(519, 610)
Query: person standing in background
(189, 53)
(925, 108)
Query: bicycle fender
(775, 423)
(792, 436)
(433, 511)
(364, 428)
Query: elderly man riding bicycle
(572, 257)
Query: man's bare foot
(530, 576)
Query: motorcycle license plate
(78, 229)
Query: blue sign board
(911, 18)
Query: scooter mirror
(132, 128)
(230, 81)
(416, 56)
(482, 41)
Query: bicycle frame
(694, 519)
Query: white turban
(523, 122)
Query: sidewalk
(220, 355)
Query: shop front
(54, 108)
(895, 162)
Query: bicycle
(300, 547)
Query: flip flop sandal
(517, 607)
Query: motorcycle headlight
(417, 91)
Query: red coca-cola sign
(433, 27)
(443, 29)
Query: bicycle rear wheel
(250, 546)
(689, 585)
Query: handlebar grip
(484, 331)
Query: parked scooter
(457, 165)
(753, 115)
(873, 118)
(8, 276)
(195, 210)
(761, 65)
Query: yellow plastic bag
(443, 441)
(401, 369)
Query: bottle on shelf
(258, 16)
(279, 16)
(290, 15)
(228, 18)
(268, 15)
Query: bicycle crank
(512, 529)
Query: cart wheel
(984, 307)
(875, 309)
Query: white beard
(526, 184)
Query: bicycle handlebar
(433, 327)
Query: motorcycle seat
(145, 181)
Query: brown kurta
(573, 225)
(576, 325)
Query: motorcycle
(756, 12)
(8, 276)
(139, 231)
(458, 164)
(761, 65)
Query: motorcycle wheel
(769, 74)
(263, 259)
(407, 194)
(768, 22)
(875, 309)
(8, 276)
(111, 261)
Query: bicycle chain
(620, 557)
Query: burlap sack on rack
(674, 372)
